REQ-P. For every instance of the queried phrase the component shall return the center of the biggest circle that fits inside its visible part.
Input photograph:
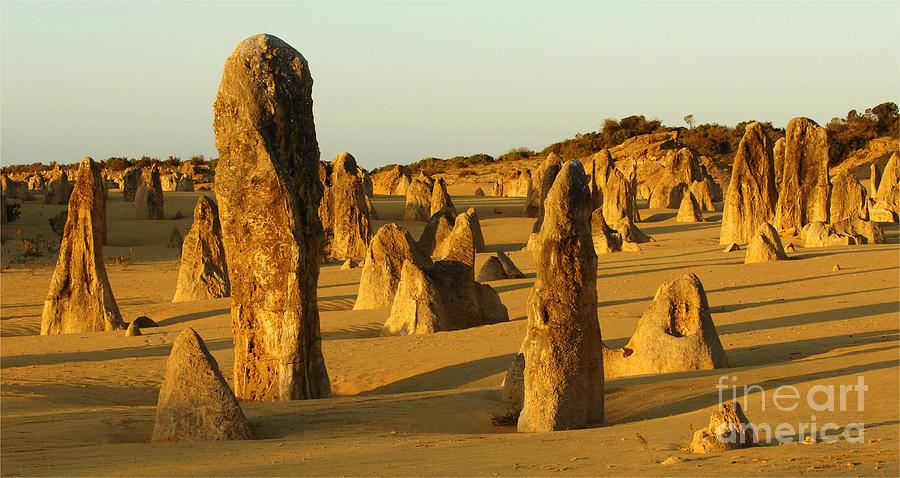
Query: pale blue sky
(397, 82)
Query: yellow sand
(84, 404)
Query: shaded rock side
(80, 298)
(148, 199)
(863, 231)
(418, 202)
(268, 194)
(436, 234)
(703, 195)
(389, 249)
(195, 403)
(498, 267)
(728, 429)
(543, 181)
(440, 199)
(203, 273)
(675, 334)
(130, 181)
(803, 196)
(848, 198)
(689, 210)
(752, 194)
(778, 161)
(352, 226)
(887, 198)
(563, 358)
(57, 190)
(765, 246)
(605, 239)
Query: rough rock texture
(352, 225)
(195, 403)
(820, 234)
(440, 199)
(752, 195)
(268, 193)
(389, 248)
(444, 295)
(863, 231)
(387, 181)
(367, 184)
(473, 224)
(778, 161)
(519, 185)
(887, 197)
(130, 181)
(543, 180)
(514, 381)
(57, 190)
(605, 239)
(562, 347)
(509, 267)
(148, 199)
(874, 180)
(848, 198)
(618, 198)
(80, 299)
(675, 334)
(803, 196)
(728, 429)
(433, 241)
(765, 246)
(418, 202)
(689, 210)
(667, 193)
(703, 195)
(203, 273)
(600, 168)
(176, 182)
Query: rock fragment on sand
(349, 264)
(563, 374)
(675, 334)
(689, 210)
(133, 330)
(203, 272)
(836, 268)
(510, 268)
(732, 247)
(195, 403)
(80, 298)
(789, 247)
(728, 429)
(498, 267)
(479, 192)
(144, 322)
(268, 193)
(765, 246)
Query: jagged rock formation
(675, 334)
(351, 225)
(519, 185)
(367, 184)
(605, 239)
(848, 198)
(176, 181)
(543, 181)
(389, 249)
(667, 193)
(418, 201)
(803, 196)
(441, 296)
(689, 210)
(13, 189)
(886, 207)
(765, 246)
(388, 181)
(862, 231)
(203, 273)
(618, 198)
(440, 199)
(36, 182)
(778, 161)
(80, 298)
(703, 195)
(433, 241)
(563, 359)
(268, 193)
(195, 403)
(130, 181)
(57, 190)
(133, 330)
(728, 429)
(148, 199)
(752, 194)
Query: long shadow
(784, 352)
(13, 361)
(505, 247)
(845, 272)
(814, 317)
(366, 331)
(660, 216)
(750, 305)
(811, 253)
(679, 227)
(709, 399)
(449, 377)
(192, 316)
(511, 287)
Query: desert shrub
(848, 134)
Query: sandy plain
(84, 404)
